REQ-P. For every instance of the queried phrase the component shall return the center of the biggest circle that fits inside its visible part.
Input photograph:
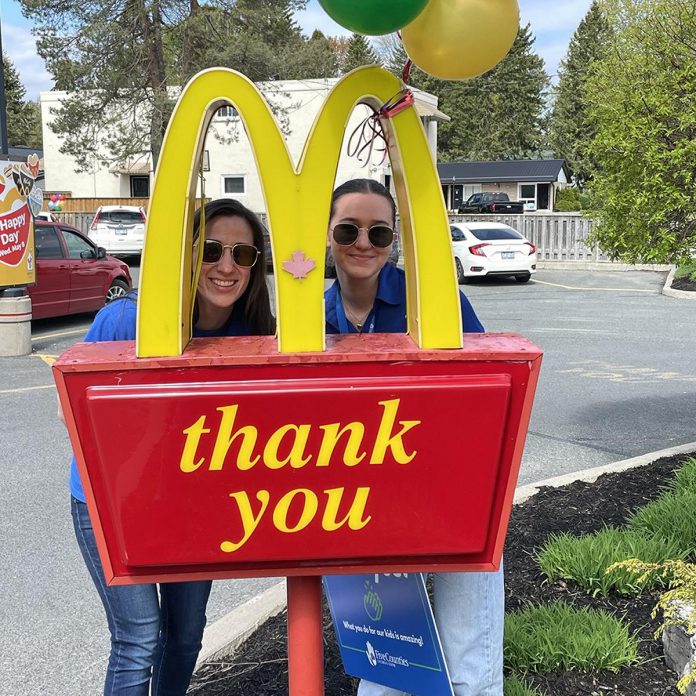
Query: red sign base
(236, 461)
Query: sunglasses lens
(212, 251)
(244, 255)
(345, 233)
(381, 236)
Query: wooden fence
(557, 236)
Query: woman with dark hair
(369, 295)
(156, 633)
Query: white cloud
(545, 16)
(314, 17)
(20, 45)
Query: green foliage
(682, 594)
(358, 52)
(571, 131)
(513, 686)
(499, 115)
(685, 478)
(585, 559)
(686, 270)
(569, 200)
(669, 519)
(23, 117)
(558, 636)
(640, 97)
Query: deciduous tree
(643, 192)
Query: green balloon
(373, 17)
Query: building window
(527, 194)
(140, 187)
(233, 185)
(226, 112)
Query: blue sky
(553, 23)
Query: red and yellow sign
(234, 457)
(17, 262)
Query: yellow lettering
(332, 435)
(249, 520)
(193, 436)
(309, 509)
(296, 459)
(226, 437)
(354, 517)
(385, 440)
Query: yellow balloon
(459, 39)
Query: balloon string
(362, 141)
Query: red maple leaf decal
(299, 265)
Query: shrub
(516, 687)
(686, 270)
(567, 200)
(558, 636)
(585, 559)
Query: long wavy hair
(255, 299)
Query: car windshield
(488, 234)
(127, 217)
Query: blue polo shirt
(388, 314)
(117, 322)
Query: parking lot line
(571, 287)
(26, 389)
(58, 334)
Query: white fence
(557, 236)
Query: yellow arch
(297, 202)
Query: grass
(514, 686)
(542, 638)
(669, 519)
(684, 479)
(585, 559)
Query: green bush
(567, 200)
(558, 636)
(585, 559)
(514, 686)
(686, 270)
(669, 519)
(684, 479)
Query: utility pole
(4, 149)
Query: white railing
(557, 236)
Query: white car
(120, 229)
(491, 249)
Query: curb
(224, 636)
(550, 264)
(671, 292)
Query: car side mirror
(86, 254)
(101, 253)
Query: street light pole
(4, 149)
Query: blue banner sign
(386, 631)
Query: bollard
(15, 322)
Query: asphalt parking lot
(618, 379)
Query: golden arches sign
(297, 201)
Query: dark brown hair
(363, 186)
(255, 300)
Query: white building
(229, 165)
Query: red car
(73, 274)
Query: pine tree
(571, 131)
(23, 117)
(358, 52)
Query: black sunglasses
(346, 233)
(244, 255)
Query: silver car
(120, 229)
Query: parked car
(491, 249)
(72, 273)
(492, 202)
(45, 216)
(120, 229)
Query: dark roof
(504, 170)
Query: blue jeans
(154, 639)
(469, 612)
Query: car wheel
(461, 278)
(523, 278)
(118, 288)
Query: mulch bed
(260, 665)
(684, 284)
